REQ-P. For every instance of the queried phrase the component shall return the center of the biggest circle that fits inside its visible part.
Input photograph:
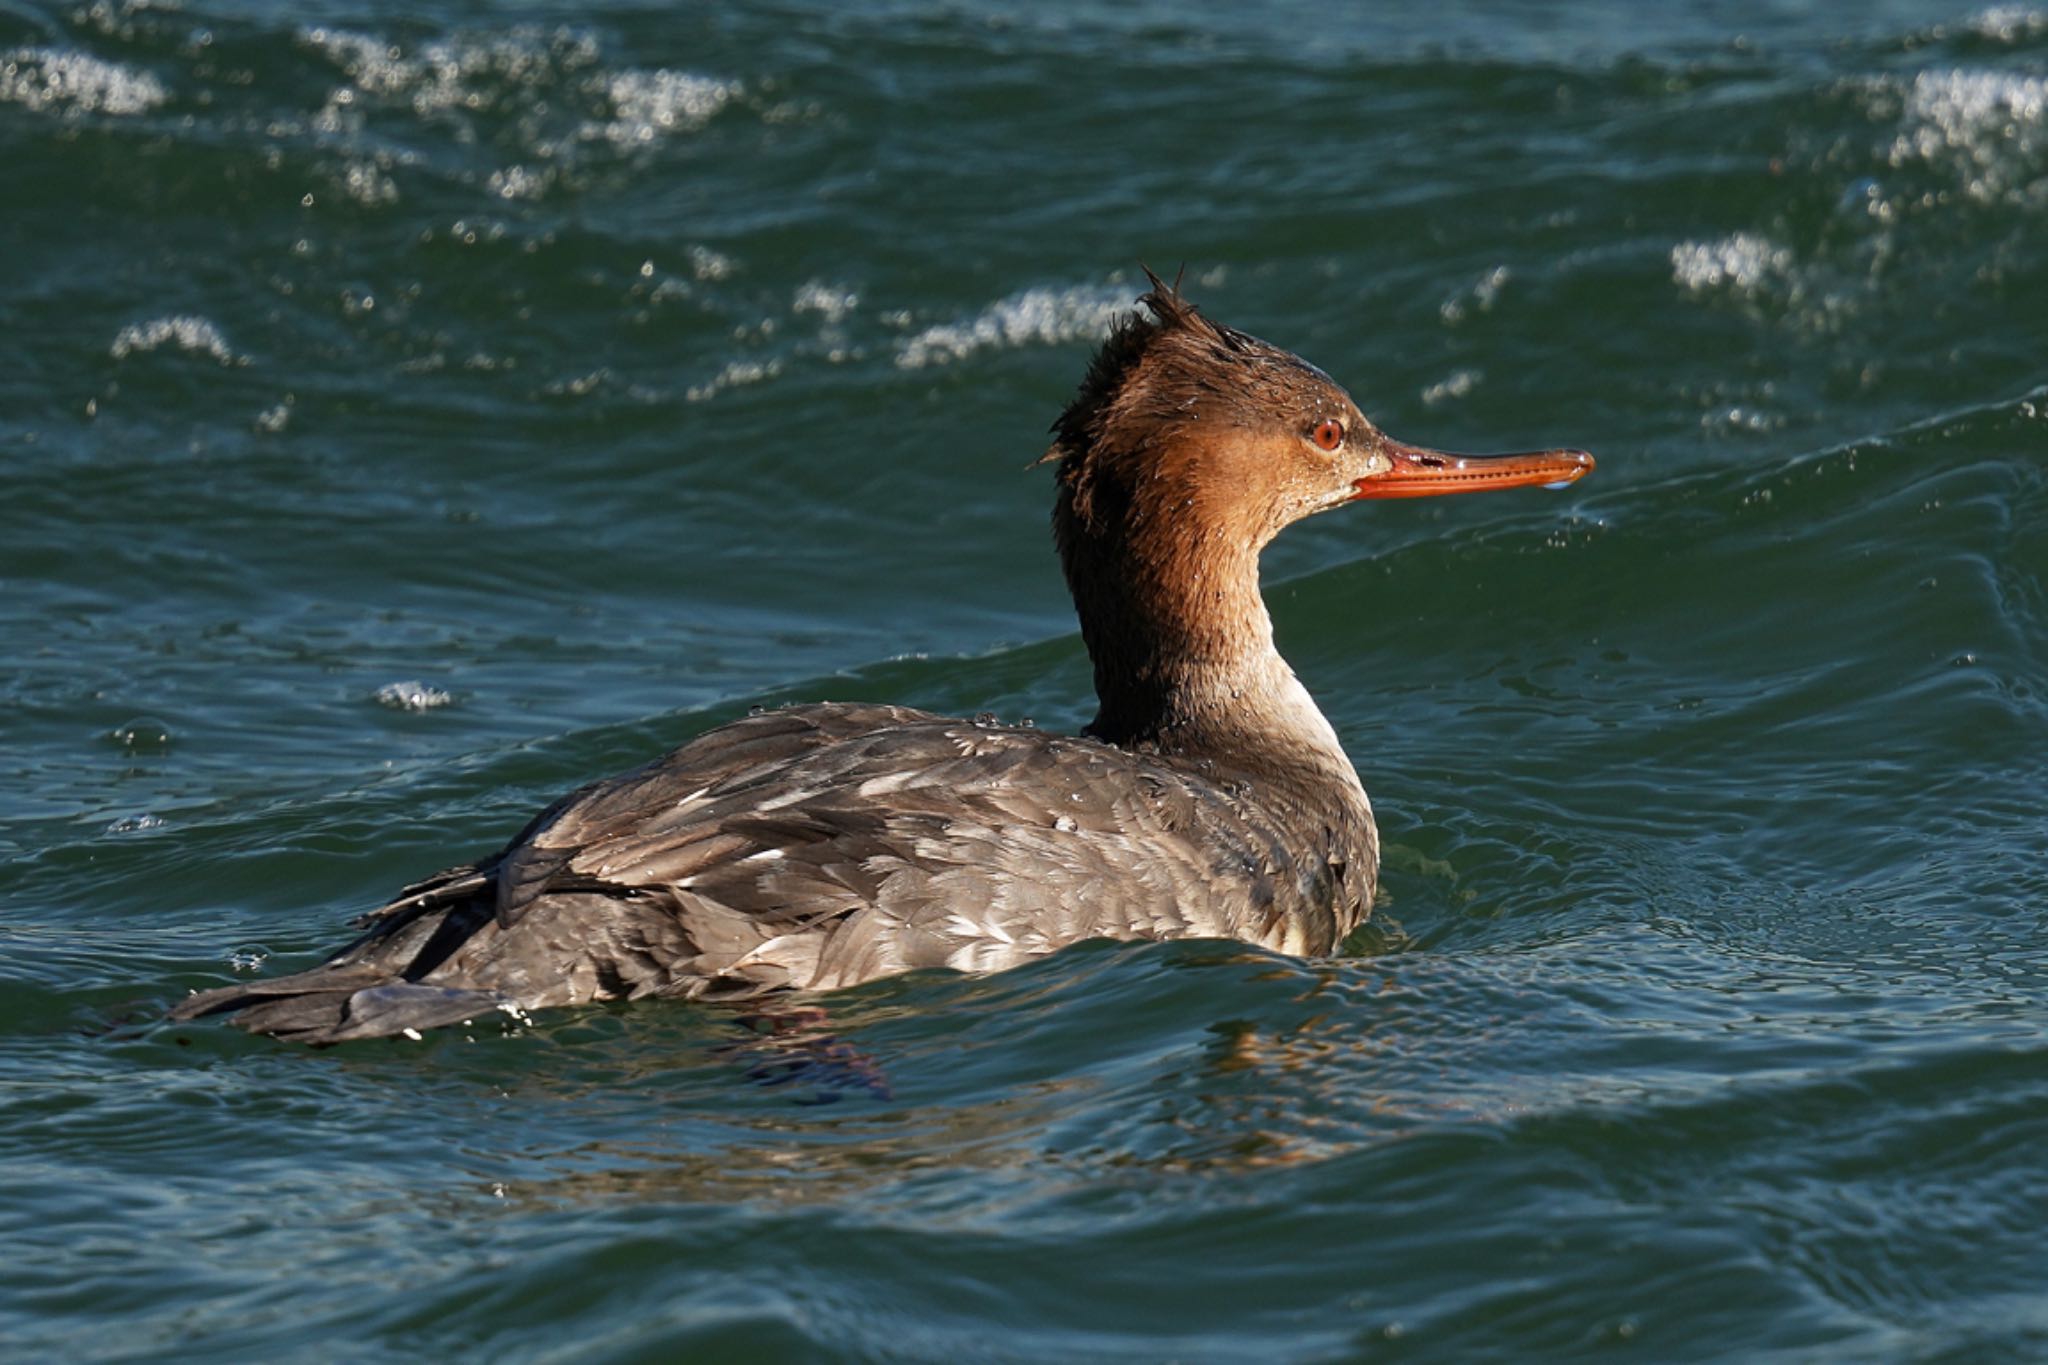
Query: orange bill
(1420, 473)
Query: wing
(820, 846)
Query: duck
(820, 846)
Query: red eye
(1329, 433)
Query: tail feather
(372, 988)
(243, 994)
(307, 1016)
(322, 1007)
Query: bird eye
(1328, 434)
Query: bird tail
(371, 989)
(330, 1005)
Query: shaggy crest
(1157, 374)
(1131, 337)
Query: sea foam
(74, 84)
(1035, 316)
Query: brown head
(1188, 448)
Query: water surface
(410, 414)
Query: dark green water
(610, 371)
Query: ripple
(142, 735)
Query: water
(409, 415)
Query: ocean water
(410, 412)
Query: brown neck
(1182, 645)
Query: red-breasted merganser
(820, 846)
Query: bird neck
(1183, 648)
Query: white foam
(736, 374)
(831, 301)
(183, 331)
(1744, 263)
(1454, 385)
(1984, 127)
(2009, 24)
(1480, 296)
(461, 71)
(370, 62)
(1739, 418)
(707, 264)
(649, 105)
(412, 695)
(75, 83)
(131, 824)
(1963, 104)
(580, 386)
(277, 417)
(368, 184)
(519, 182)
(1033, 317)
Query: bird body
(820, 846)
